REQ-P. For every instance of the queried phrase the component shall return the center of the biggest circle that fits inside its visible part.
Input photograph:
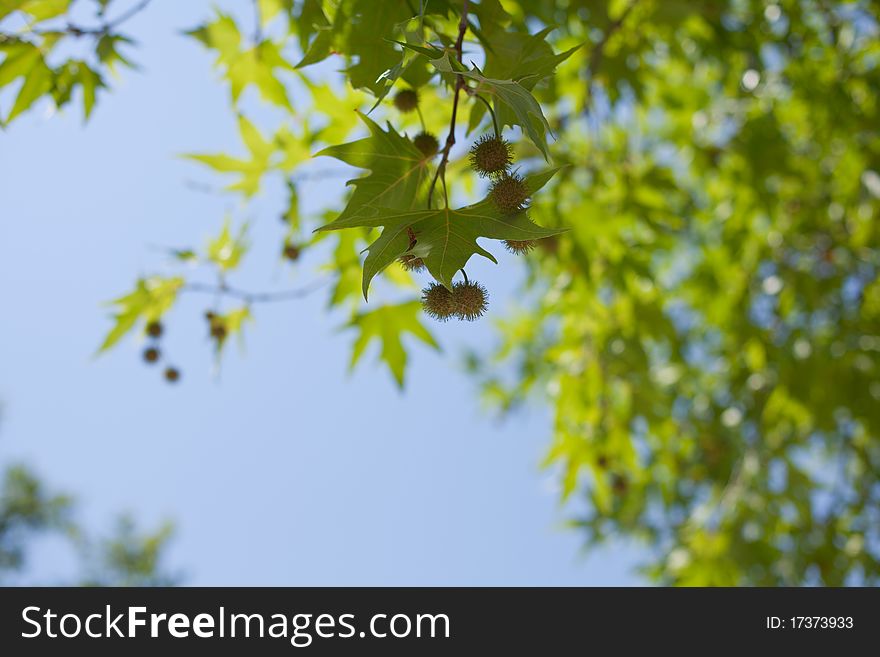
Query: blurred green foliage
(707, 333)
(30, 513)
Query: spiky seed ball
(291, 252)
(470, 300)
(490, 156)
(406, 100)
(519, 247)
(154, 329)
(210, 315)
(412, 263)
(619, 484)
(151, 355)
(510, 194)
(172, 374)
(437, 302)
(427, 144)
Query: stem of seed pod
(492, 114)
(459, 85)
(464, 273)
(421, 118)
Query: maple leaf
(445, 238)
(398, 172)
(387, 324)
(527, 59)
(516, 106)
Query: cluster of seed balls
(152, 354)
(491, 157)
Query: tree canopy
(693, 190)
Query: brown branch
(459, 85)
(100, 30)
(255, 297)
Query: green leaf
(151, 298)
(366, 41)
(293, 149)
(339, 111)
(260, 148)
(9, 6)
(220, 162)
(319, 48)
(185, 255)
(251, 170)
(257, 67)
(40, 10)
(233, 324)
(108, 53)
(519, 105)
(387, 324)
(221, 35)
(37, 82)
(226, 250)
(291, 215)
(269, 9)
(524, 58)
(413, 32)
(311, 18)
(20, 58)
(445, 238)
(398, 171)
(91, 82)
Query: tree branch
(100, 30)
(459, 85)
(255, 297)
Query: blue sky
(284, 470)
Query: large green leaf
(398, 172)
(524, 58)
(517, 106)
(445, 238)
(366, 40)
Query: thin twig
(138, 8)
(459, 85)
(79, 31)
(255, 297)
